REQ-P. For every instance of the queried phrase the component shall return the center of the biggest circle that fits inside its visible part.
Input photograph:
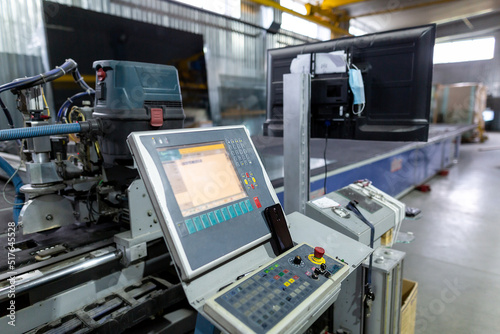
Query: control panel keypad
(270, 294)
(239, 152)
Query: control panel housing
(280, 294)
(209, 190)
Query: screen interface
(202, 177)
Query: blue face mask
(357, 86)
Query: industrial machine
(98, 245)
(122, 219)
(83, 246)
(370, 301)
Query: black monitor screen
(396, 67)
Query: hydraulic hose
(18, 183)
(39, 131)
(70, 101)
(48, 130)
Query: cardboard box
(408, 306)
(461, 103)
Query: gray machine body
(382, 217)
(385, 213)
(387, 282)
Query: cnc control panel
(209, 188)
(277, 295)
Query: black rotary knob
(297, 260)
(317, 271)
(323, 267)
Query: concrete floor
(455, 257)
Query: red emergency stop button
(319, 252)
(101, 74)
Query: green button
(205, 221)
(266, 271)
(243, 207)
(225, 213)
(238, 209)
(232, 212)
(190, 226)
(211, 216)
(281, 274)
(276, 265)
(272, 268)
(218, 214)
(249, 205)
(198, 224)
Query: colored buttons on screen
(215, 217)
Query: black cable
(18, 84)
(79, 80)
(68, 66)
(7, 114)
(352, 207)
(368, 287)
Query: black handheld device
(281, 239)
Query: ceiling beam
(332, 25)
(330, 4)
(399, 9)
(481, 25)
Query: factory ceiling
(379, 15)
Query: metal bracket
(144, 226)
(296, 114)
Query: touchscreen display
(202, 176)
